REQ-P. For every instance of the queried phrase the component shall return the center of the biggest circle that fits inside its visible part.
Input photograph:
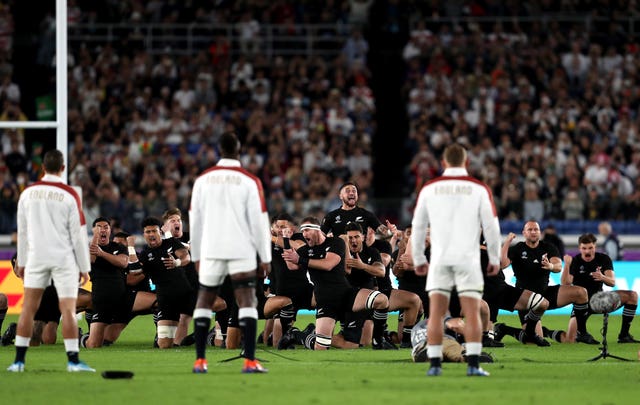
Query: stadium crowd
(549, 110)
(141, 128)
(548, 114)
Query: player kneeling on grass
(324, 258)
(452, 350)
(592, 270)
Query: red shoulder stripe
(469, 179)
(263, 202)
(69, 190)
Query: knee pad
(166, 331)
(323, 340)
(535, 302)
(371, 298)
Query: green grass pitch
(522, 374)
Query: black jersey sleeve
(327, 222)
(338, 247)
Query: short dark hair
(284, 216)
(151, 221)
(587, 238)
(121, 234)
(455, 155)
(53, 161)
(101, 219)
(229, 144)
(353, 226)
(348, 183)
(171, 212)
(311, 220)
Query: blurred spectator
(611, 245)
(9, 91)
(573, 206)
(356, 48)
(560, 102)
(550, 234)
(249, 30)
(8, 208)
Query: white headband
(310, 226)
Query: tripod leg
(604, 353)
(618, 357)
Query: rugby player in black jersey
(335, 221)
(592, 270)
(163, 261)
(532, 261)
(324, 257)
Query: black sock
(21, 352)
(406, 333)
(557, 335)
(581, 311)
(222, 318)
(249, 328)
(83, 340)
(200, 332)
(379, 324)
(511, 331)
(553, 334)
(3, 314)
(287, 317)
(88, 317)
(73, 357)
(435, 362)
(302, 337)
(308, 340)
(473, 360)
(531, 319)
(628, 313)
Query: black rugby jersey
(104, 274)
(166, 280)
(336, 220)
(327, 282)
(581, 271)
(360, 278)
(526, 263)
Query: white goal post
(60, 124)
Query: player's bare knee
(632, 298)
(580, 295)
(415, 302)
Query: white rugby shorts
(213, 271)
(467, 279)
(66, 279)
